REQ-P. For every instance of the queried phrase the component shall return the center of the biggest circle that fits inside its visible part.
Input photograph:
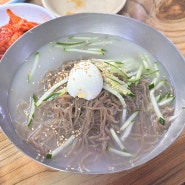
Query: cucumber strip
(127, 131)
(56, 94)
(156, 108)
(132, 74)
(106, 66)
(83, 38)
(139, 72)
(114, 78)
(113, 68)
(151, 85)
(118, 152)
(154, 83)
(68, 43)
(100, 43)
(145, 61)
(96, 51)
(129, 120)
(51, 90)
(137, 77)
(150, 72)
(159, 84)
(119, 88)
(68, 142)
(131, 65)
(155, 103)
(117, 139)
(36, 60)
(124, 115)
(114, 92)
(165, 96)
(117, 63)
(166, 101)
(32, 110)
(172, 118)
(156, 79)
(103, 60)
(158, 98)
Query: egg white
(85, 81)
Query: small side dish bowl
(18, 18)
(64, 7)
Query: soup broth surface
(142, 138)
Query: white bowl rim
(49, 7)
(45, 10)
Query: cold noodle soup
(91, 102)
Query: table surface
(168, 16)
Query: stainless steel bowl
(145, 36)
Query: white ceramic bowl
(66, 7)
(30, 12)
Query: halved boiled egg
(85, 81)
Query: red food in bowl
(3, 1)
(10, 32)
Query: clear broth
(53, 57)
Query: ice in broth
(126, 120)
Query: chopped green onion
(51, 90)
(68, 142)
(30, 74)
(129, 120)
(118, 152)
(117, 139)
